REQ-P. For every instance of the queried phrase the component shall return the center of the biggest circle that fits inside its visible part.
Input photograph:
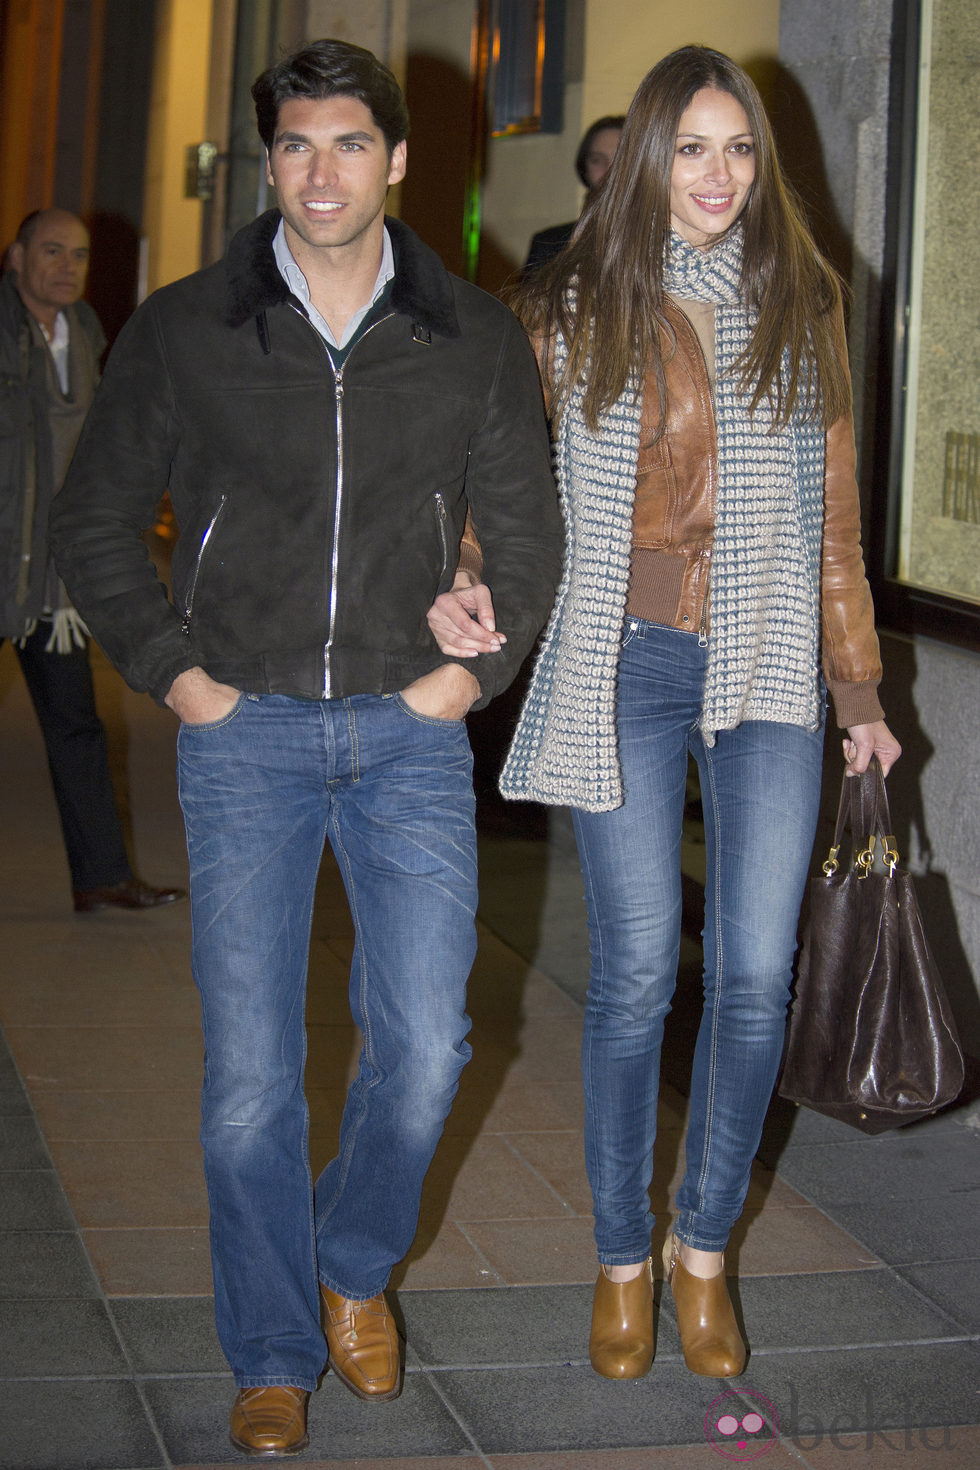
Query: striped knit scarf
(564, 751)
(764, 649)
(764, 643)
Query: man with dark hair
(50, 346)
(324, 404)
(593, 161)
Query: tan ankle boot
(621, 1340)
(709, 1334)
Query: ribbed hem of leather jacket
(655, 587)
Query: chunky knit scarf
(763, 660)
(764, 649)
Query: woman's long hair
(614, 319)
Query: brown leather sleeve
(851, 658)
(541, 343)
(470, 551)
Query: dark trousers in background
(60, 685)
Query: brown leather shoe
(129, 894)
(621, 1340)
(709, 1334)
(269, 1422)
(363, 1343)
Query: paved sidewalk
(857, 1257)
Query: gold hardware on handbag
(872, 1039)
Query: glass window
(522, 42)
(930, 555)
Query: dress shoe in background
(129, 894)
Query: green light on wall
(482, 42)
(472, 222)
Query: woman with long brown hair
(692, 348)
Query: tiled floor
(857, 1258)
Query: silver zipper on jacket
(338, 379)
(185, 623)
(442, 520)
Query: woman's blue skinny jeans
(760, 787)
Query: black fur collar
(254, 282)
(422, 288)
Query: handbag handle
(863, 807)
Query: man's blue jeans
(260, 791)
(760, 787)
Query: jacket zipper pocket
(442, 520)
(185, 623)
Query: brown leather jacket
(673, 529)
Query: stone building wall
(837, 58)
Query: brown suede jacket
(673, 529)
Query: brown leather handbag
(872, 1039)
